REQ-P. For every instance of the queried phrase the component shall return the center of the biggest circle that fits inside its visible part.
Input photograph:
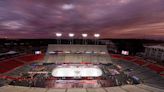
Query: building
(112, 48)
(155, 52)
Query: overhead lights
(71, 34)
(97, 35)
(58, 34)
(84, 35)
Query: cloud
(111, 18)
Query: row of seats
(10, 64)
(144, 73)
(30, 58)
(155, 67)
(84, 54)
(126, 88)
(140, 62)
(2, 70)
(129, 58)
(162, 75)
(117, 56)
(77, 48)
(78, 58)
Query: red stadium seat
(2, 70)
(116, 56)
(30, 58)
(11, 64)
(155, 68)
(128, 58)
(162, 75)
(139, 62)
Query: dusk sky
(143, 19)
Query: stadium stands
(162, 75)
(129, 58)
(155, 67)
(145, 73)
(117, 56)
(77, 58)
(78, 53)
(10, 64)
(152, 82)
(31, 57)
(141, 62)
(2, 70)
(77, 48)
(126, 88)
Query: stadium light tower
(71, 35)
(84, 35)
(58, 35)
(96, 35)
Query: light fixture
(84, 35)
(97, 35)
(71, 34)
(58, 34)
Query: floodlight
(97, 35)
(58, 34)
(71, 34)
(84, 35)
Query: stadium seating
(2, 70)
(139, 62)
(77, 48)
(162, 75)
(31, 57)
(78, 58)
(143, 71)
(155, 67)
(126, 88)
(129, 58)
(10, 64)
(79, 53)
(117, 56)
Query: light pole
(71, 35)
(96, 35)
(58, 35)
(84, 35)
